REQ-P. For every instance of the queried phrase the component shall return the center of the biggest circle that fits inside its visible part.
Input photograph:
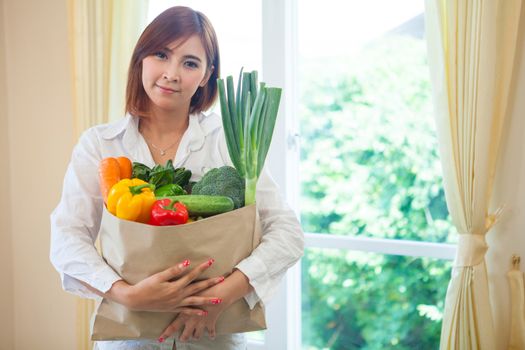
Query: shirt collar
(193, 139)
(194, 135)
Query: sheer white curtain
(517, 296)
(472, 45)
(102, 35)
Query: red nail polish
(161, 340)
(216, 301)
(221, 279)
(211, 261)
(186, 263)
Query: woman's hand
(192, 326)
(170, 290)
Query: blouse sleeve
(75, 223)
(281, 246)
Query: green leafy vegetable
(161, 175)
(140, 171)
(182, 176)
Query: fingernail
(186, 263)
(211, 261)
(161, 340)
(216, 301)
(221, 279)
(204, 313)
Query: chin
(164, 105)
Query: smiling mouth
(165, 89)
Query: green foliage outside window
(370, 167)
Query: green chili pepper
(169, 190)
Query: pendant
(162, 152)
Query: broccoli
(223, 181)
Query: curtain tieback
(471, 249)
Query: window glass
(369, 152)
(357, 300)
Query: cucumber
(203, 205)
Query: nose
(171, 73)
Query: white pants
(221, 342)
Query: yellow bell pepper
(131, 199)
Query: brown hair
(175, 23)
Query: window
(370, 172)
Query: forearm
(235, 287)
(119, 292)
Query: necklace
(162, 151)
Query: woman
(172, 80)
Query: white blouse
(76, 220)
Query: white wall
(37, 138)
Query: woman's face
(172, 75)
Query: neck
(161, 125)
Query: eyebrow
(185, 56)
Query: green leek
(248, 118)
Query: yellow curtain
(471, 45)
(102, 36)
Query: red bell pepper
(167, 212)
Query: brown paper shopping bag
(136, 251)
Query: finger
(196, 287)
(187, 333)
(173, 271)
(199, 329)
(174, 327)
(197, 300)
(189, 311)
(211, 333)
(193, 274)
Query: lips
(166, 89)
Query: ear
(207, 76)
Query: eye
(191, 64)
(161, 55)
